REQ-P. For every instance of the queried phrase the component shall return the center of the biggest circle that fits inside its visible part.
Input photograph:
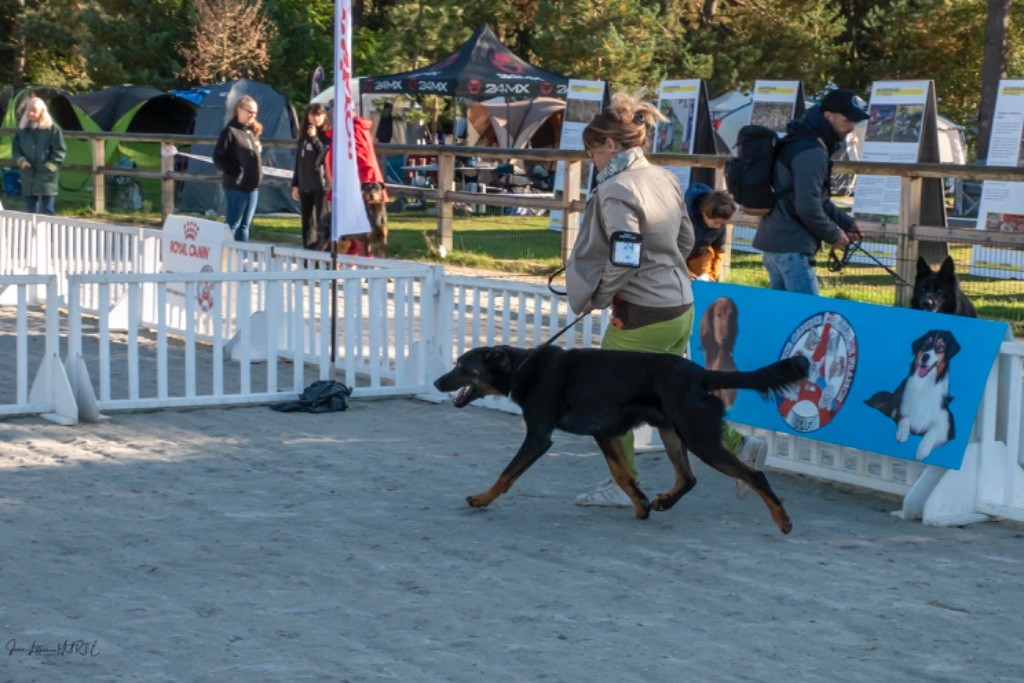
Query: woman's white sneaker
(754, 452)
(607, 495)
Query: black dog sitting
(604, 394)
(940, 291)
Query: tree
(612, 41)
(304, 40)
(993, 67)
(230, 40)
(51, 43)
(113, 57)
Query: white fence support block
(52, 387)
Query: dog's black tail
(769, 380)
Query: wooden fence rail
(909, 230)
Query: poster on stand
(902, 128)
(773, 105)
(584, 100)
(678, 100)
(1002, 202)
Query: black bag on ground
(323, 396)
(749, 174)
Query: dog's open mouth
(467, 394)
(924, 370)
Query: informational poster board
(773, 105)
(888, 380)
(902, 129)
(584, 100)
(688, 129)
(192, 245)
(1002, 203)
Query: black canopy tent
(481, 67)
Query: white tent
(729, 102)
(509, 124)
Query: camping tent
(279, 121)
(515, 124)
(480, 67)
(137, 109)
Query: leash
(561, 293)
(837, 263)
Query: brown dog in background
(376, 211)
(373, 243)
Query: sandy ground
(248, 545)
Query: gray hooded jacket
(805, 217)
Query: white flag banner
(348, 215)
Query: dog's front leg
(931, 440)
(611, 447)
(903, 429)
(534, 445)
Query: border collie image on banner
(920, 405)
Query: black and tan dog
(604, 394)
(377, 212)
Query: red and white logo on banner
(348, 214)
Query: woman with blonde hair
(631, 250)
(237, 157)
(39, 150)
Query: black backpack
(749, 174)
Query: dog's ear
(499, 357)
(923, 269)
(706, 333)
(952, 345)
(946, 272)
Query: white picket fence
(273, 328)
(268, 335)
(38, 384)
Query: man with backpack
(803, 215)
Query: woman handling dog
(631, 251)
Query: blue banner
(888, 380)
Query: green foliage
(89, 44)
(113, 55)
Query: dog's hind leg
(534, 445)
(717, 456)
(611, 447)
(685, 479)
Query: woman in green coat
(39, 150)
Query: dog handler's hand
(295, 194)
(855, 232)
(841, 242)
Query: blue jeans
(238, 212)
(40, 204)
(791, 272)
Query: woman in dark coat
(310, 182)
(39, 150)
(237, 156)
